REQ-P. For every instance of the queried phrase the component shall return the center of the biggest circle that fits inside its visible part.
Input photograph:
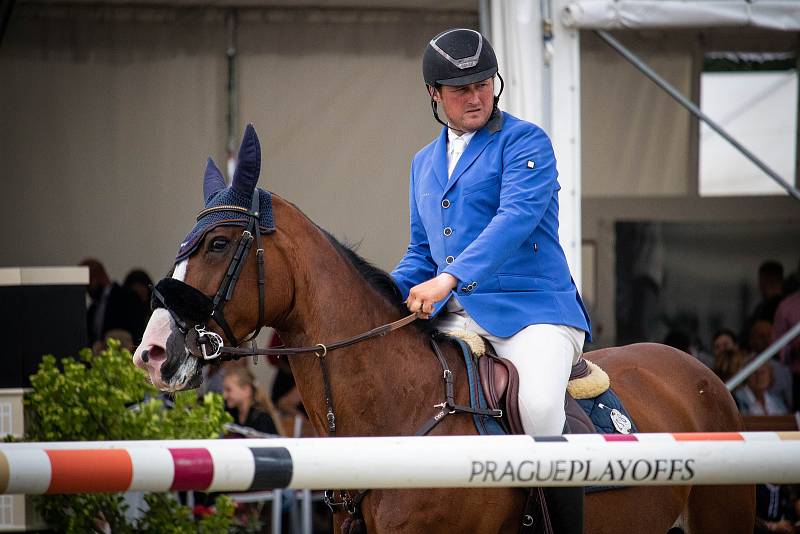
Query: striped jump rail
(400, 462)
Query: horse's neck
(378, 386)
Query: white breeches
(543, 354)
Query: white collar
(467, 137)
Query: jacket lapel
(440, 159)
(482, 138)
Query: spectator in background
(770, 285)
(123, 336)
(775, 509)
(246, 401)
(792, 282)
(786, 317)
(140, 284)
(112, 306)
(755, 397)
(679, 340)
(759, 339)
(728, 356)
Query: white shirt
(456, 145)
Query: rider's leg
(543, 355)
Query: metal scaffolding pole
(693, 109)
(762, 358)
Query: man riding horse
(484, 253)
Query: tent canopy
(653, 14)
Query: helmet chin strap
(435, 110)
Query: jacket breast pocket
(518, 282)
(480, 185)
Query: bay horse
(316, 290)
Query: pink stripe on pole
(194, 469)
(620, 437)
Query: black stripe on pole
(549, 438)
(273, 468)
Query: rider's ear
(248, 167)
(434, 93)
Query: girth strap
(449, 405)
(535, 507)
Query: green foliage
(105, 397)
(167, 516)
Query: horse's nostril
(155, 352)
(145, 355)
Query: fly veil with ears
(240, 204)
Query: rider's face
(467, 107)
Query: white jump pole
(400, 462)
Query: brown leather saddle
(500, 382)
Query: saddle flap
(500, 383)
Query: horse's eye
(218, 244)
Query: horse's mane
(377, 278)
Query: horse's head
(218, 288)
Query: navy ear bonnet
(239, 194)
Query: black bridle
(186, 304)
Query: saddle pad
(600, 410)
(591, 385)
(485, 425)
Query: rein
(234, 353)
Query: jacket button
(448, 231)
(449, 260)
(445, 203)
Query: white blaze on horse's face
(151, 353)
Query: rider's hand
(422, 298)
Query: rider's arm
(417, 265)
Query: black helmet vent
(465, 62)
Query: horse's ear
(248, 167)
(213, 180)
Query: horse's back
(667, 390)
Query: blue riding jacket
(493, 226)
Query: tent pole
(693, 109)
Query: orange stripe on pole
(88, 470)
(707, 436)
(3, 472)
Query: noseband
(188, 306)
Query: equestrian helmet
(456, 57)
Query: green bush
(102, 397)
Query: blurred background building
(109, 108)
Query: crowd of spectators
(774, 388)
